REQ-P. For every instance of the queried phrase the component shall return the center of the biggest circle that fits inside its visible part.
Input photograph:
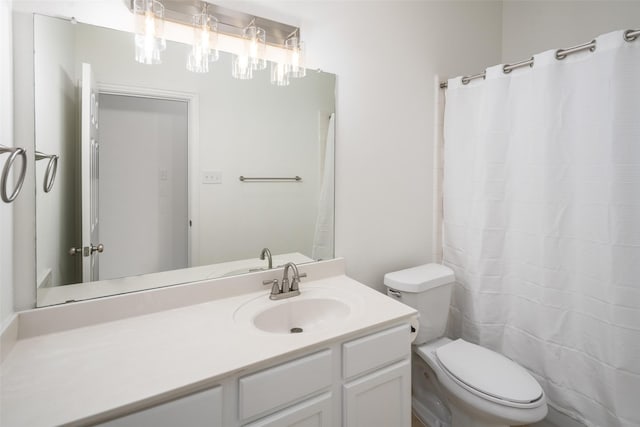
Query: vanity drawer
(376, 350)
(284, 384)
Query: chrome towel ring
(15, 152)
(52, 169)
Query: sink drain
(295, 330)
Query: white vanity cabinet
(363, 381)
(223, 357)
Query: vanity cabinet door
(314, 412)
(199, 409)
(380, 399)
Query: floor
(415, 422)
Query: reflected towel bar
(267, 179)
(52, 169)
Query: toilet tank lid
(419, 279)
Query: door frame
(193, 150)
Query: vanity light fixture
(295, 50)
(205, 39)
(241, 68)
(292, 62)
(251, 39)
(149, 28)
(256, 45)
(279, 74)
(253, 50)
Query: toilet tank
(427, 288)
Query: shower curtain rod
(629, 36)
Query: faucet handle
(296, 281)
(275, 288)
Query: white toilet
(457, 383)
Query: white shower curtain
(323, 237)
(542, 223)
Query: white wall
(6, 138)
(531, 27)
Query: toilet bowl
(482, 387)
(456, 383)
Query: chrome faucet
(286, 290)
(267, 252)
(294, 281)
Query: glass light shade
(241, 68)
(279, 74)
(204, 46)
(295, 49)
(149, 31)
(255, 39)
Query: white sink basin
(297, 316)
(315, 309)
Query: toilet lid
(488, 372)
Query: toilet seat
(488, 374)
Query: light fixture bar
(230, 22)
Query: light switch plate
(211, 177)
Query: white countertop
(78, 373)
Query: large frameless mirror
(151, 175)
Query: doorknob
(74, 251)
(99, 248)
(87, 250)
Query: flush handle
(395, 293)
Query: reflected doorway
(143, 185)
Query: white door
(89, 150)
